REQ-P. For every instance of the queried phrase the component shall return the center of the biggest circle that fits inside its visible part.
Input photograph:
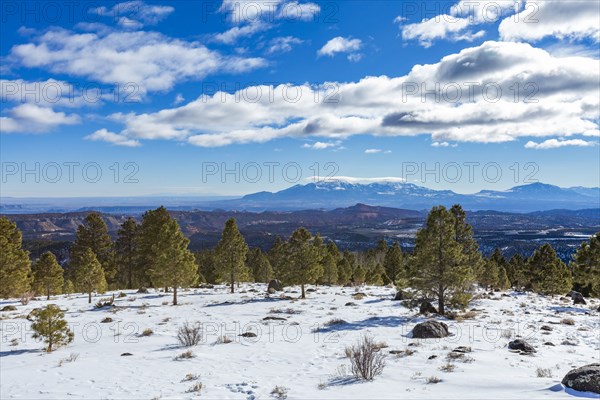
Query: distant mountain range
(333, 194)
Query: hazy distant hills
(329, 195)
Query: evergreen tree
(50, 325)
(303, 259)
(550, 275)
(126, 254)
(93, 235)
(375, 275)
(68, 287)
(277, 258)
(206, 265)
(394, 266)
(503, 282)
(258, 263)
(439, 264)
(148, 231)
(330, 264)
(88, 274)
(463, 234)
(488, 277)
(359, 275)
(231, 255)
(586, 267)
(47, 275)
(15, 267)
(344, 269)
(494, 275)
(517, 272)
(173, 265)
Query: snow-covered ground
(299, 353)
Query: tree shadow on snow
(569, 309)
(373, 322)
(18, 352)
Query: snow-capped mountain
(339, 193)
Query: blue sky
(336, 88)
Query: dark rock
(520, 344)
(432, 357)
(350, 304)
(399, 295)
(207, 286)
(430, 330)
(9, 308)
(584, 379)
(311, 290)
(549, 344)
(271, 318)
(142, 290)
(462, 349)
(547, 328)
(106, 320)
(271, 290)
(248, 334)
(427, 308)
(577, 297)
(276, 285)
(126, 354)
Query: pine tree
(88, 274)
(394, 265)
(173, 265)
(50, 325)
(586, 266)
(47, 275)
(494, 270)
(344, 269)
(277, 258)
(503, 282)
(148, 231)
(359, 275)
(93, 235)
(68, 287)
(463, 234)
(230, 255)
(205, 259)
(550, 275)
(439, 264)
(330, 264)
(488, 277)
(517, 272)
(258, 263)
(15, 267)
(303, 259)
(126, 255)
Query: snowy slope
(311, 364)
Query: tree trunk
(175, 295)
(48, 293)
(89, 297)
(232, 287)
(441, 302)
(303, 294)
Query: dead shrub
(366, 360)
(189, 335)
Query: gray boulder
(576, 297)
(427, 308)
(584, 379)
(520, 344)
(399, 295)
(276, 285)
(430, 330)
